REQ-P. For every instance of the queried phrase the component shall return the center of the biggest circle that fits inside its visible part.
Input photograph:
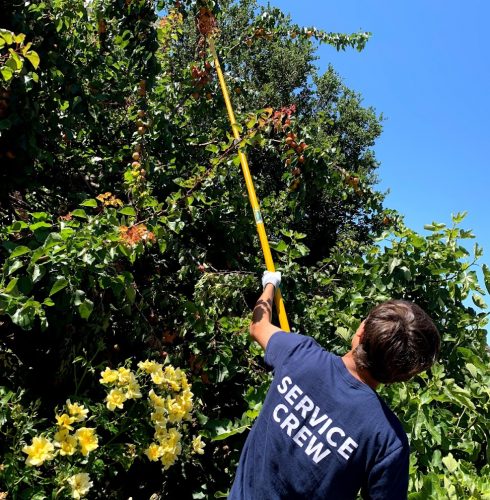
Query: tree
(126, 236)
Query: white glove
(271, 277)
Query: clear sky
(427, 69)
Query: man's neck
(362, 375)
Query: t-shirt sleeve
(280, 346)
(389, 477)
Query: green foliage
(13, 55)
(126, 102)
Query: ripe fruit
(288, 161)
(289, 140)
(141, 113)
(141, 130)
(301, 159)
(138, 148)
(296, 171)
(196, 95)
(136, 164)
(143, 172)
(136, 156)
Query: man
(323, 432)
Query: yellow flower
(87, 439)
(124, 375)
(115, 399)
(149, 366)
(173, 377)
(168, 459)
(157, 376)
(198, 445)
(65, 442)
(133, 391)
(108, 376)
(158, 417)
(39, 451)
(154, 452)
(175, 410)
(65, 421)
(78, 411)
(180, 407)
(156, 400)
(80, 484)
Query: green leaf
(472, 369)
(7, 35)
(478, 301)
(450, 463)
(18, 62)
(59, 284)
(486, 276)
(20, 250)
(39, 225)
(7, 73)
(91, 202)
(127, 211)
(85, 308)
(79, 212)
(79, 297)
(37, 273)
(11, 285)
(17, 264)
(394, 263)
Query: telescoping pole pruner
(264, 242)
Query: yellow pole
(264, 242)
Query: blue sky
(427, 69)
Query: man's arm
(261, 328)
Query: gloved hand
(271, 277)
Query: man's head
(395, 342)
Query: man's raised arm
(261, 328)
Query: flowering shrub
(146, 413)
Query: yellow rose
(108, 376)
(198, 445)
(40, 450)
(124, 376)
(77, 411)
(65, 421)
(80, 484)
(156, 400)
(154, 452)
(65, 442)
(115, 399)
(149, 366)
(87, 439)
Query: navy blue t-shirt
(321, 434)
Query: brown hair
(399, 341)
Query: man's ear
(360, 331)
